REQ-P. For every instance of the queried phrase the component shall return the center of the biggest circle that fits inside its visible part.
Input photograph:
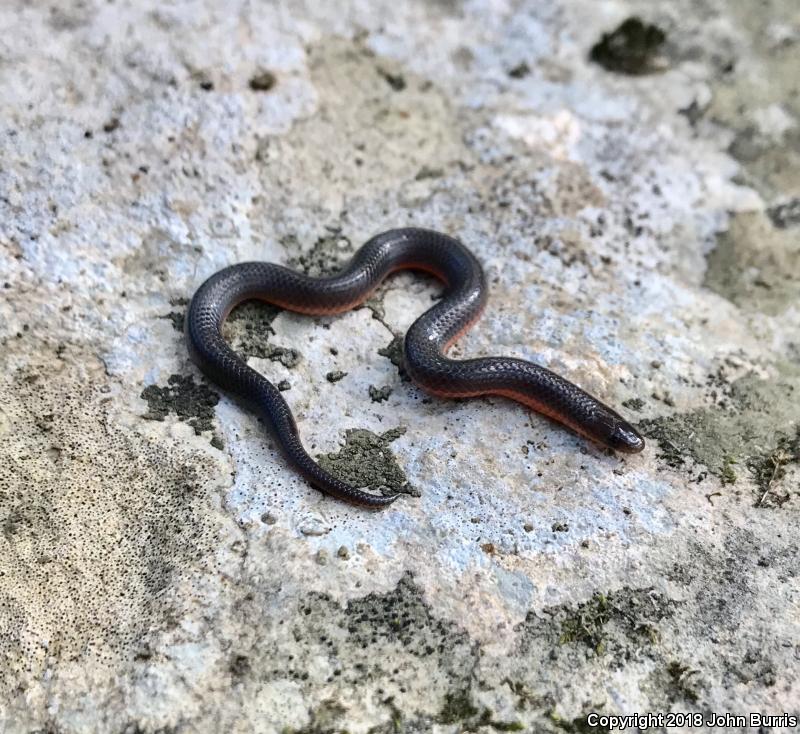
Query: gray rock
(161, 565)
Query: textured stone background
(161, 570)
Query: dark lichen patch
(190, 401)
(393, 351)
(506, 725)
(177, 319)
(578, 725)
(727, 588)
(335, 375)
(177, 316)
(384, 638)
(379, 394)
(587, 623)
(458, 707)
(366, 461)
(632, 48)
(326, 256)
(680, 683)
(402, 616)
(325, 719)
(754, 427)
(728, 473)
(755, 264)
(98, 547)
(633, 404)
(262, 81)
(285, 355)
(520, 71)
(725, 580)
(111, 125)
(756, 668)
(394, 79)
(428, 172)
(239, 666)
(248, 330)
(785, 215)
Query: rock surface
(164, 571)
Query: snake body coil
(425, 343)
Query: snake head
(624, 437)
(616, 433)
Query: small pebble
(343, 553)
(313, 526)
(322, 557)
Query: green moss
(771, 466)
(728, 475)
(457, 707)
(586, 624)
(602, 622)
(507, 725)
(578, 725)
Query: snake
(424, 347)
